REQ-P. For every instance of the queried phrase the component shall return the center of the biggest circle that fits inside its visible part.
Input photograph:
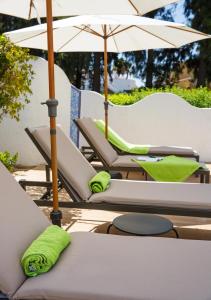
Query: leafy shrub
(8, 160)
(15, 78)
(199, 97)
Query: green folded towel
(119, 142)
(100, 182)
(43, 253)
(170, 168)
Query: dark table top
(142, 224)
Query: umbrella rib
(166, 41)
(86, 29)
(133, 5)
(115, 43)
(31, 37)
(102, 27)
(32, 5)
(117, 32)
(72, 38)
(112, 31)
(89, 30)
(30, 9)
(187, 30)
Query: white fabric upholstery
(98, 140)
(71, 163)
(78, 172)
(100, 266)
(172, 150)
(20, 223)
(184, 195)
(108, 267)
(125, 161)
(110, 156)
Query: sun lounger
(97, 266)
(110, 158)
(123, 147)
(123, 195)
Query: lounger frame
(77, 202)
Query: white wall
(162, 119)
(12, 134)
(159, 119)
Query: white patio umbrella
(28, 9)
(107, 33)
(46, 8)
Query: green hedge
(199, 97)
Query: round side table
(143, 224)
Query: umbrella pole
(52, 103)
(106, 81)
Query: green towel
(170, 168)
(119, 142)
(100, 182)
(43, 253)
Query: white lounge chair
(155, 197)
(113, 161)
(97, 266)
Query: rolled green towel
(100, 182)
(44, 252)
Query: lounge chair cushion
(72, 164)
(185, 195)
(20, 223)
(173, 150)
(125, 161)
(108, 267)
(97, 140)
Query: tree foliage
(198, 13)
(9, 160)
(15, 78)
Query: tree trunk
(149, 69)
(78, 79)
(201, 72)
(96, 75)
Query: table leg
(207, 177)
(177, 234)
(109, 227)
(201, 178)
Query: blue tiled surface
(75, 109)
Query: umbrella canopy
(107, 33)
(123, 33)
(37, 8)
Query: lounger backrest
(21, 221)
(97, 140)
(71, 163)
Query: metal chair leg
(109, 227)
(176, 232)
